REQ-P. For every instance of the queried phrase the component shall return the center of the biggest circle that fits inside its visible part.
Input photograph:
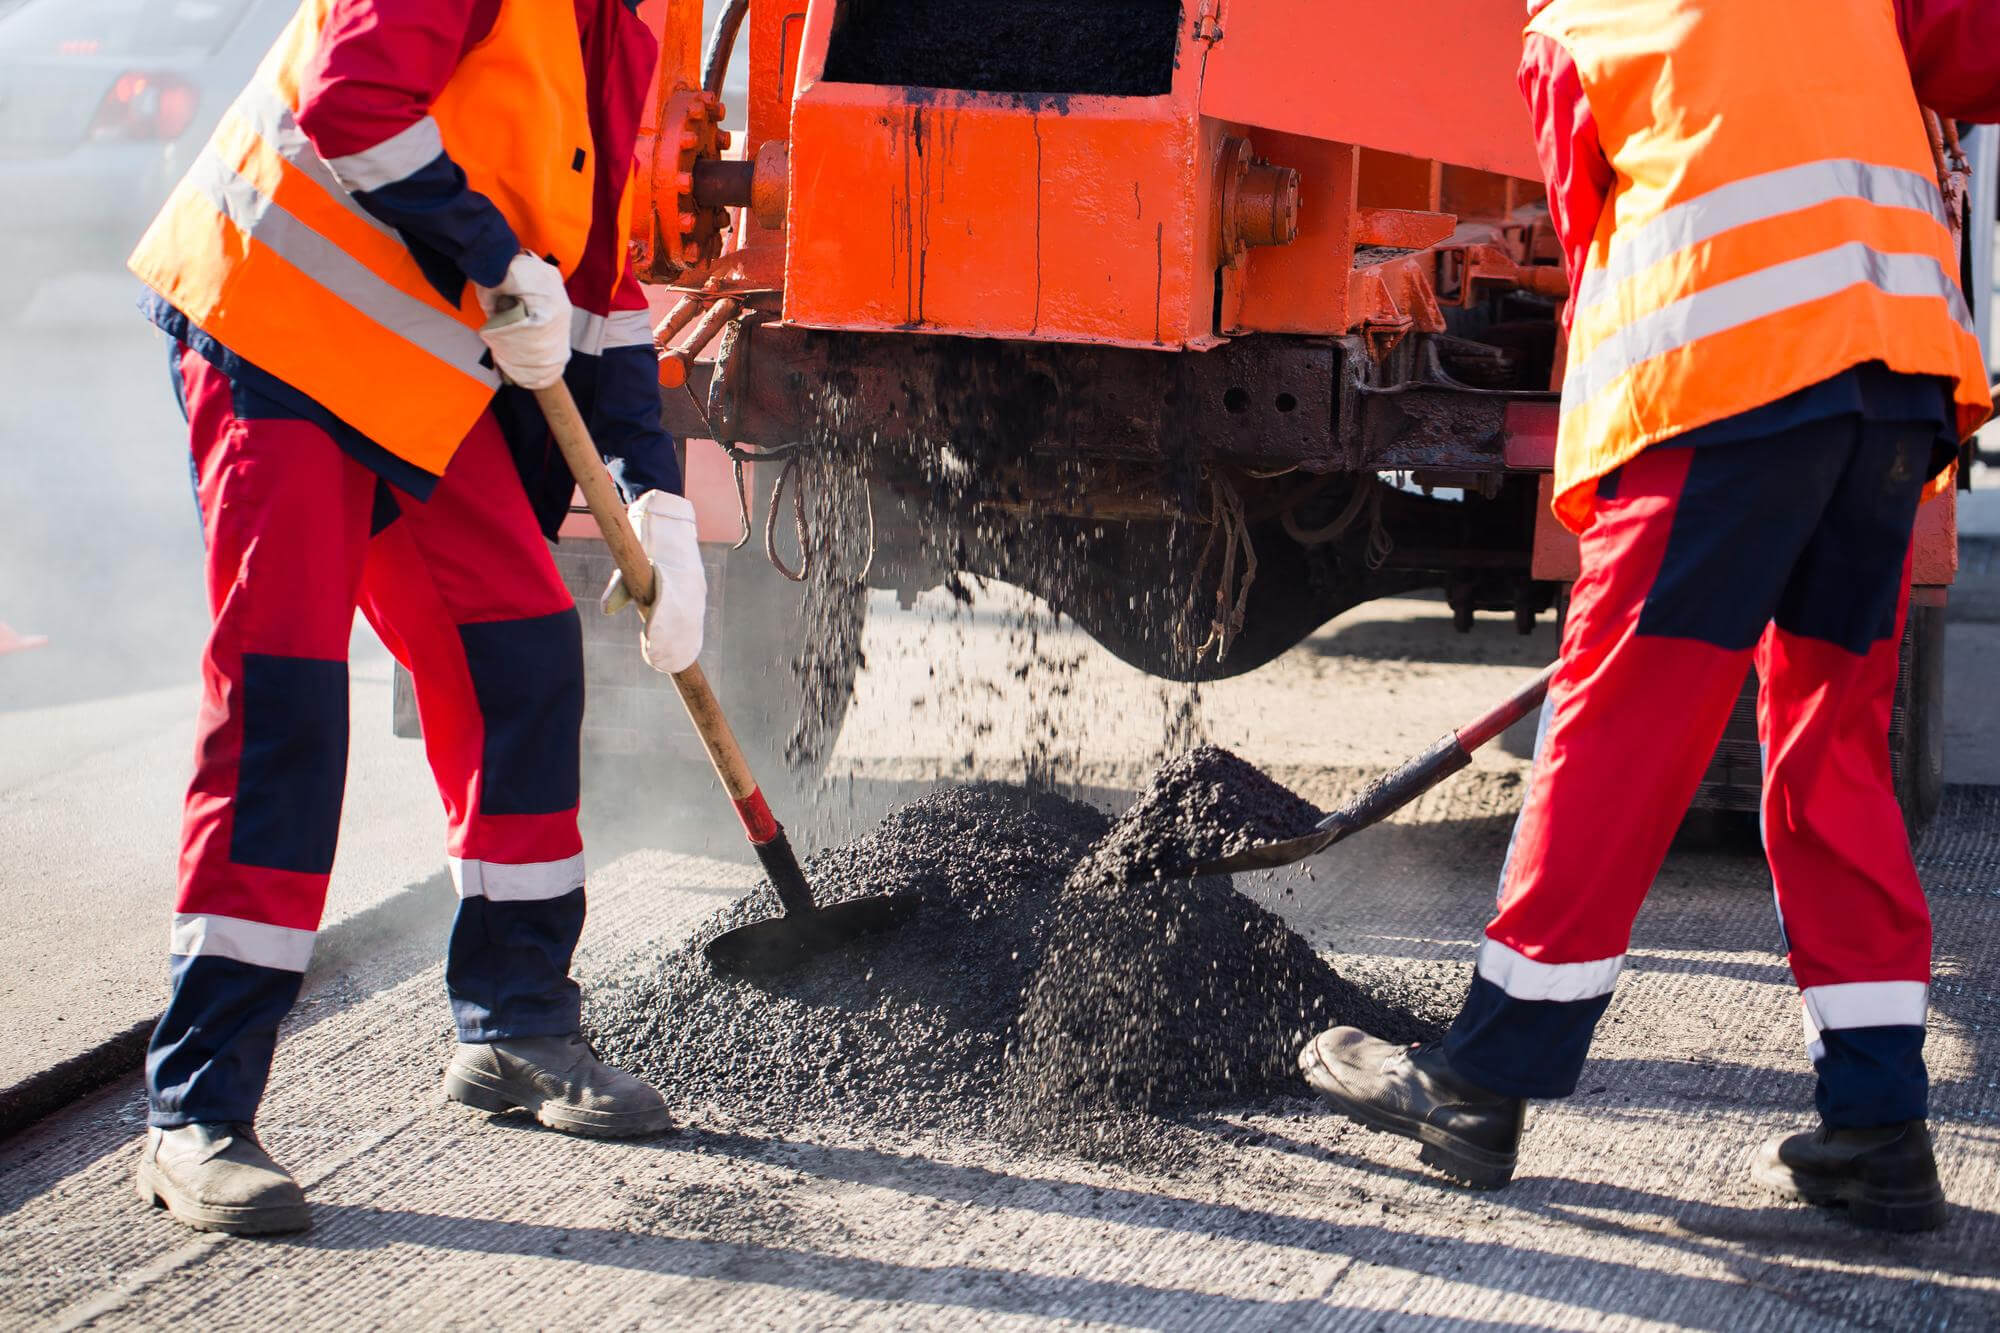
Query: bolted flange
(1259, 201)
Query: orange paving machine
(1204, 320)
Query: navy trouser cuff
(1871, 1076)
(507, 967)
(1521, 1048)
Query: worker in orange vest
(395, 175)
(1770, 362)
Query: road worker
(1770, 362)
(397, 172)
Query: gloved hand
(672, 638)
(528, 324)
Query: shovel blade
(1271, 855)
(771, 948)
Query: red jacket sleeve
(1578, 175)
(365, 103)
(1953, 47)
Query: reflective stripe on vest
(346, 277)
(1767, 292)
(1769, 195)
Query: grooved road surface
(1631, 1210)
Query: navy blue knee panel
(293, 763)
(528, 677)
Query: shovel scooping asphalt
(806, 930)
(1393, 791)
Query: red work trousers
(463, 590)
(1790, 551)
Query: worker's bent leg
(1851, 909)
(464, 591)
(285, 516)
(1682, 567)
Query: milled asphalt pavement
(1631, 1209)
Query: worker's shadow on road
(1741, 1244)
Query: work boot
(558, 1080)
(1885, 1176)
(1467, 1132)
(219, 1178)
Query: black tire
(786, 658)
(1297, 589)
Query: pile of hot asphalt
(1063, 973)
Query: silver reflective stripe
(397, 157)
(586, 332)
(272, 121)
(1753, 199)
(1754, 296)
(532, 882)
(1864, 1004)
(282, 947)
(339, 272)
(629, 328)
(1522, 978)
(592, 334)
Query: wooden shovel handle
(608, 508)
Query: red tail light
(146, 106)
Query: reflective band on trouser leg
(1866, 1041)
(284, 948)
(1526, 1025)
(535, 881)
(1757, 198)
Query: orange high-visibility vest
(1775, 219)
(263, 250)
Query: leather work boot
(1468, 1133)
(1885, 1176)
(219, 1178)
(558, 1080)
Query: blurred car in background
(103, 103)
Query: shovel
(806, 930)
(1392, 792)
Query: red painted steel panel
(1427, 78)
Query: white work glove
(672, 638)
(528, 322)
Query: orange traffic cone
(10, 642)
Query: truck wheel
(786, 656)
(1297, 590)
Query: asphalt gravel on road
(1061, 983)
